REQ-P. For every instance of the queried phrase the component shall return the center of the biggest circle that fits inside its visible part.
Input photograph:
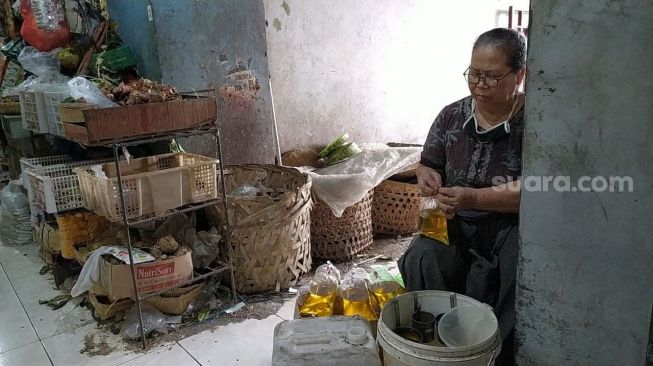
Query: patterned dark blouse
(464, 160)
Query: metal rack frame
(116, 146)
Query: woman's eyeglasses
(475, 78)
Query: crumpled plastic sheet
(79, 87)
(344, 184)
(153, 320)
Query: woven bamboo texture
(395, 209)
(341, 238)
(270, 233)
(176, 301)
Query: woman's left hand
(460, 198)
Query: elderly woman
(471, 163)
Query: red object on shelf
(42, 39)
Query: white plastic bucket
(398, 351)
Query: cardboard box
(89, 125)
(48, 236)
(106, 308)
(150, 277)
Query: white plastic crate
(151, 185)
(33, 164)
(32, 106)
(53, 97)
(54, 188)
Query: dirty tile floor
(33, 335)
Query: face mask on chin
(494, 133)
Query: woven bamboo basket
(270, 233)
(341, 238)
(395, 209)
(176, 301)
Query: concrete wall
(379, 69)
(204, 44)
(137, 29)
(584, 294)
(221, 43)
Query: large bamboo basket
(270, 233)
(341, 238)
(395, 209)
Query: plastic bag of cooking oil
(384, 286)
(320, 298)
(432, 222)
(356, 299)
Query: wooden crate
(89, 125)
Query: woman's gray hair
(511, 42)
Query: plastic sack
(90, 272)
(246, 190)
(44, 24)
(344, 184)
(153, 320)
(79, 87)
(355, 295)
(205, 249)
(38, 63)
(15, 217)
(13, 198)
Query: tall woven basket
(395, 209)
(341, 238)
(270, 233)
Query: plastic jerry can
(333, 341)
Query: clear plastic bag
(15, 218)
(27, 83)
(355, 295)
(48, 13)
(432, 221)
(153, 320)
(246, 190)
(39, 63)
(385, 285)
(320, 299)
(81, 88)
(205, 249)
(342, 185)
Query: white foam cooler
(333, 341)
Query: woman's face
(492, 63)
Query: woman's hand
(448, 211)
(458, 198)
(428, 180)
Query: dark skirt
(480, 262)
